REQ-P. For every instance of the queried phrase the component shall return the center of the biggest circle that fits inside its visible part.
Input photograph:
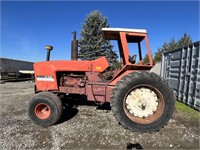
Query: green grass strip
(187, 110)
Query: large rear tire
(142, 101)
(45, 109)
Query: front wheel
(45, 109)
(142, 101)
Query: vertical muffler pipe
(49, 49)
(74, 47)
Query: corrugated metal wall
(181, 68)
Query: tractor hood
(50, 67)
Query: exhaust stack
(49, 49)
(74, 48)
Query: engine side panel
(45, 72)
(72, 82)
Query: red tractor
(140, 100)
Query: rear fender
(113, 82)
(100, 64)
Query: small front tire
(45, 109)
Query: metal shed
(181, 68)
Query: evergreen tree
(91, 44)
(185, 40)
(158, 55)
(172, 45)
(146, 59)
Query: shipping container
(181, 69)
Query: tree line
(172, 44)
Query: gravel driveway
(84, 127)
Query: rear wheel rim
(143, 104)
(42, 111)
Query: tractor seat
(132, 59)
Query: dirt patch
(84, 127)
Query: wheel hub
(42, 111)
(142, 102)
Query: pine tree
(146, 59)
(91, 44)
(185, 40)
(158, 55)
(172, 45)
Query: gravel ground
(84, 127)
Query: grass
(187, 110)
